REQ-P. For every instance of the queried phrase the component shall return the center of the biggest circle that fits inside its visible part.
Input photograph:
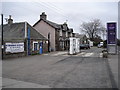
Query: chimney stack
(43, 16)
(10, 20)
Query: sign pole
(2, 36)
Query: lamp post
(2, 46)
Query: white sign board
(14, 47)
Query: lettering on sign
(111, 33)
(14, 47)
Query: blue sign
(111, 33)
(29, 41)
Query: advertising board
(14, 47)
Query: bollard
(105, 55)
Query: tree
(93, 29)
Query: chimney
(43, 16)
(65, 23)
(65, 26)
(10, 21)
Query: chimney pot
(9, 16)
(10, 20)
(43, 16)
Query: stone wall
(8, 55)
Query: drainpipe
(2, 47)
(26, 40)
(49, 42)
(25, 29)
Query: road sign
(111, 33)
(111, 37)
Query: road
(84, 70)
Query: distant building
(83, 38)
(59, 33)
(21, 39)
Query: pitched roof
(14, 31)
(55, 25)
(52, 24)
(70, 30)
(34, 34)
(79, 35)
(17, 31)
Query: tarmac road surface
(84, 70)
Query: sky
(119, 20)
(72, 12)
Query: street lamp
(2, 45)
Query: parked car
(84, 46)
(99, 45)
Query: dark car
(84, 46)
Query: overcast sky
(73, 12)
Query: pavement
(113, 65)
(12, 83)
(113, 69)
(59, 70)
(0, 74)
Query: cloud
(74, 12)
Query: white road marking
(88, 54)
(59, 53)
(101, 54)
(82, 53)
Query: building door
(41, 48)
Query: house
(83, 38)
(57, 34)
(21, 39)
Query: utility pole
(2, 35)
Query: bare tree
(93, 29)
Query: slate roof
(70, 30)
(55, 25)
(17, 31)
